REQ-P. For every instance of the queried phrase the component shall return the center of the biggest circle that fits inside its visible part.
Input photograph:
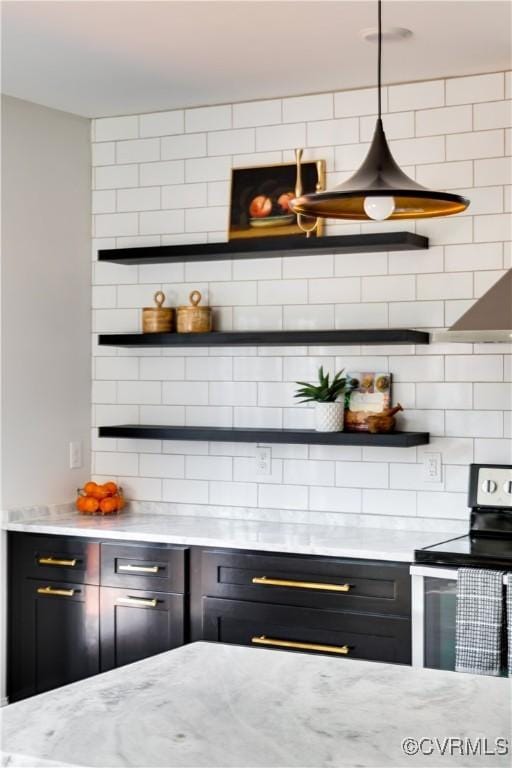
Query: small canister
(158, 319)
(194, 319)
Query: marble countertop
(297, 538)
(209, 704)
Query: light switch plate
(263, 460)
(75, 455)
(432, 467)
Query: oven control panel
(491, 486)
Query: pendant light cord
(379, 56)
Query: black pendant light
(379, 189)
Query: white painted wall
(164, 178)
(45, 321)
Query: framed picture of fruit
(260, 196)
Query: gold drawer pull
(263, 640)
(300, 584)
(57, 561)
(57, 592)
(139, 568)
(150, 602)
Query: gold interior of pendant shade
(351, 206)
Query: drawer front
(136, 624)
(342, 635)
(158, 568)
(57, 558)
(316, 582)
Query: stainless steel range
(434, 574)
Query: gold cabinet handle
(55, 592)
(300, 584)
(139, 568)
(264, 640)
(57, 561)
(150, 602)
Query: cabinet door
(352, 635)
(56, 639)
(136, 624)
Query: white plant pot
(329, 417)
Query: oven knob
(507, 487)
(489, 486)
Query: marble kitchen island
(216, 705)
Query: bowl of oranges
(95, 499)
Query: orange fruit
(108, 505)
(99, 492)
(90, 487)
(120, 500)
(90, 504)
(110, 487)
(80, 503)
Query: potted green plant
(329, 410)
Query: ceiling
(112, 58)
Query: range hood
(490, 319)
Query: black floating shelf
(267, 338)
(246, 435)
(267, 247)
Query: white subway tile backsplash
(492, 115)
(143, 199)
(395, 288)
(183, 146)
(166, 172)
(416, 95)
(321, 133)
(208, 118)
(162, 123)
(164, 178)
(479, 144)
(310, 318)
(231, 142)
(416, 314)
(104, 154)
(283, 496)
(387, 502)
(185, 491)
(446, 175)
(473, 257)
(254, 113)
(111, 128)
(161, 222)
(432, 122)
(115, 176)
(280, 136)
(358, 102)
(493, 171)
(362, 474)
(316, 107)
(334, 290)
(475, 423)
(138, 150)
(454, 285)
(492, 396)
(494, 227)
(161, 465)
(475, 88)
(361, 315)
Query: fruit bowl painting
(260, 198)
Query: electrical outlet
(263, 460)
(432, 467)
(75, 455)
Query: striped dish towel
(509, 622)
(479, 621)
